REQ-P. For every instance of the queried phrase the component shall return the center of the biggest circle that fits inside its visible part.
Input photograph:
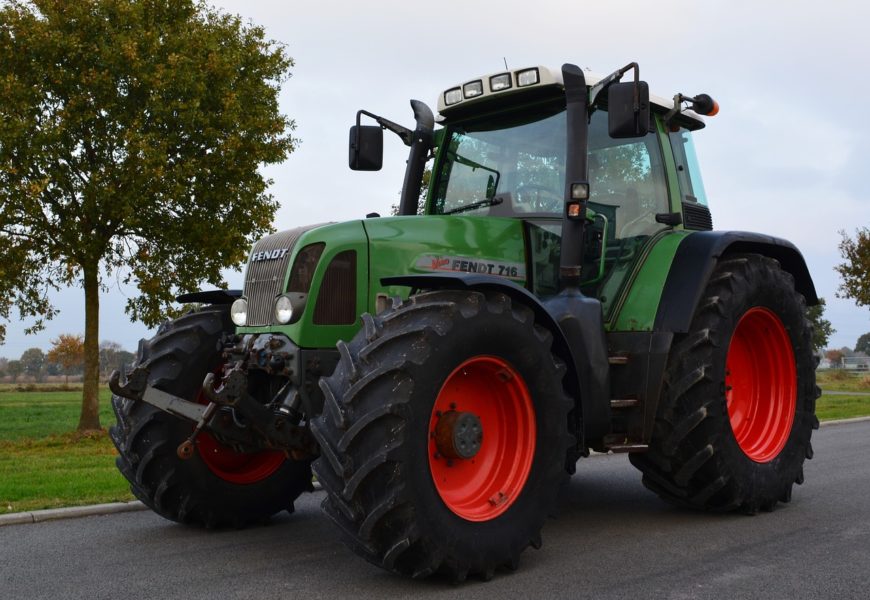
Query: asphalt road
(612, 539)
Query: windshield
(503, 167)
(513, 167)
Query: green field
(45, 464)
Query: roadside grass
(57, 471)
(44, 463)
(830, 407)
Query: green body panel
(638, 308)
(443, 244)
(338, 237)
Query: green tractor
(442, 373)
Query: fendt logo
(269, 254)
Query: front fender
(577, 325)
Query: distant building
(857, 363)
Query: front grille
(697, 216)
(265, 278)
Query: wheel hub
(458, 434)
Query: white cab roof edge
(547, 77)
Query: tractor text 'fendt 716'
(443, 373)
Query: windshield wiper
(486, 202)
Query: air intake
(697, 216)
(336, 299)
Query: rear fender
(695, 260)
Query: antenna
(505, 63)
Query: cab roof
(502, 84)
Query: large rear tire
(217, 487)
(444, 435)
(738, 405)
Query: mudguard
(696, 258)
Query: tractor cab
(502, 151)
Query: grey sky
(785, 156)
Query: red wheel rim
(484, 486)
(241, 468)
(237, 467)
(760, 384)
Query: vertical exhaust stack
(421, 143)
(576, 176)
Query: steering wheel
(533, 197)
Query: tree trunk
(90, 417)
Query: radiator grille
(265, 278)
(336, 299)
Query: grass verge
(59, 470)
(830, 407)
(44, 463)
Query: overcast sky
(787, 154)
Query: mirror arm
(614, 78)
(403, 132)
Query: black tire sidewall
(766, 480)
(506, 339)
(206, 497)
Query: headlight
(528, 77)
(283, 310)
(452, 96)
(472, 89)
(239, 312)
(500, 82)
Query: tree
(4, 363)
(835, 357)
(856, 270)
(822, 328)
(113, 357)
(33, 359)
(863, 344)
(15, 369)
(68, 351)
(131, 132)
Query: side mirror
(623, 121)
(366, 147)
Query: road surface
(612, 539)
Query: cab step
(623, 448)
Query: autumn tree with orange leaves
(68, 351)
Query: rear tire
(400, 501)
(226, 489)
(738, 405)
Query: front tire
(216, 487)
(444, 435)
(737, 410)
